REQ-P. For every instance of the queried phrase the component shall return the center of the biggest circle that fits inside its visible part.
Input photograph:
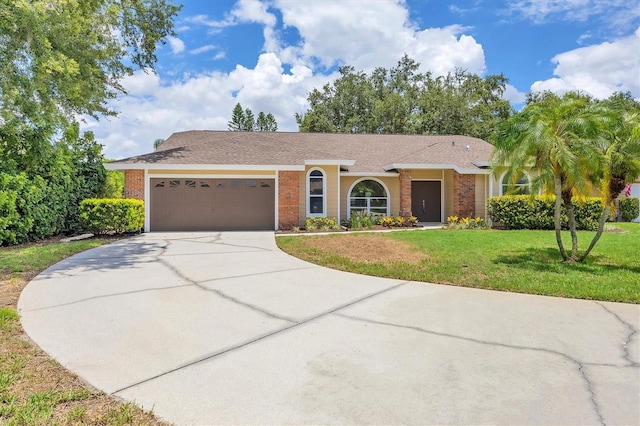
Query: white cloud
(156, 109)
(616, 14)
(378, 36)
(330, 34)
(202, 49)
(599, 69)
(513, 95)
(177, 45)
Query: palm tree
(619, 148)
(551, 136)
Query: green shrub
(629, 208)
(455, 222)
(323, 223)
(103, 215)
(398, 221)
(32, 208)
(523, 212)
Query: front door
(426, 200)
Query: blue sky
(268, 54)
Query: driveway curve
(224, 328)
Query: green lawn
(518, 261)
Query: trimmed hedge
(523, 212)
(102, 215)
(629, 208)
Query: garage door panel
(212, 204)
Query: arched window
(509, 186)
(369, 196)
(316, 193)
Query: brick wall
(405, 192)
(134, 184)
(464, 195)
(288, 199)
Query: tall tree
(249, 121)
(554, 136)
(266, 123)
(65, 58)
(244, 120)
(402, 100)
(62, 59)
(237, 119)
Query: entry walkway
(224, 328)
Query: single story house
(224, 180)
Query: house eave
(329, 162)
(372, 174)
(229, 167)
(460, 170)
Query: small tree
(266, 123)
(244, 120)
(237, 121)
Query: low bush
(322, 223)
(398, 221)
(524, 212)
(455, 222)
(103, 215)
(629, 208)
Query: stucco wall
(331, 178)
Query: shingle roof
(371, 153)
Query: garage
(195, 204)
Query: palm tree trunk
(557, 217)
(616, 186)
(601, 222)
(568, 205)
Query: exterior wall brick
(405, 192)
(464, 195)
(288, 199)
(134, 184)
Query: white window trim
(504, 174)
(386, 189)
(324, 193)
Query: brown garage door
(212, 204)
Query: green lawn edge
(516, 261)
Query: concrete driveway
(223, 328)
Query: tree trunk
(616, 186)
(557, 217)
(568, 205)
(603, 219)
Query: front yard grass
(34, 389)
(518, 261)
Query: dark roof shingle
(360, 152)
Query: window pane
(160, 184)
(315, 186)
(236, 183)
(222, 184)
(251, 183)
(358, 202)
(204, 184)
(264, 184)
(315, 205)
(368, 188)
(174, 183)
(190, 183)
(316, 173)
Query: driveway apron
(224, 328)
